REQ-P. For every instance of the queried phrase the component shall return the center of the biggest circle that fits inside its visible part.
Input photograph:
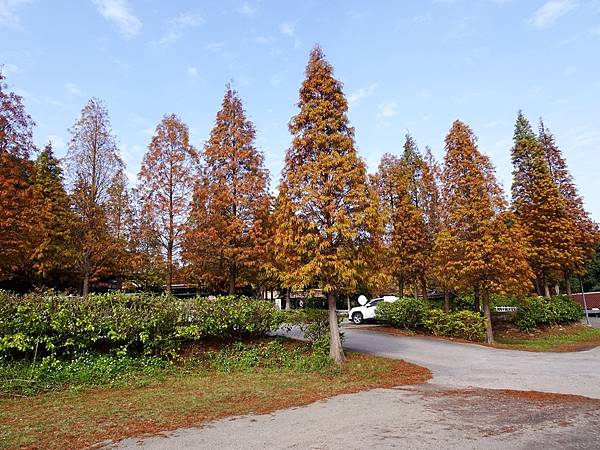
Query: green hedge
(47, 324)
(413, 314)
(407, 313)
(537, 311)
(467, 325)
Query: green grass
(555, 340)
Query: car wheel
(357, 318)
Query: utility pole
(587, 317)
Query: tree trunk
(537, 286)
(86, 283)
(288, 302)
(400, 288)
(232, 282)
(476, 302)
(446, 300)
(348, 301)
(336, 352)
(489, 333)
(169, 266)
(557, 289)
(424, 287)
(546, 288)
(568, 284)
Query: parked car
(366, 310)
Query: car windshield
(374, 302)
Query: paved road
(468, 365)
(431, 416)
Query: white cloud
(570, 70)
(387, 109)
(72, 89)
(276, 80)
(10, 69)
(287, 29)
(355, 97)
(117, 11)
(192, 72)
(177, 25)
(214, 46)
(188, 19)
(261, 40)
(8, 12)
(550, 12)
(246, 10)
(58, 143)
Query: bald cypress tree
(539, 207)
(229, 228)
(54, 253)
(583, 231)
(482, 247)
(330, 215)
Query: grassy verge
(553, 339)
(208, 385)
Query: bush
(405, 313)
(537, 311)
(63, 326)
(467, 325)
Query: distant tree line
(207, 216)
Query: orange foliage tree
(539, 207)
(17, 220)
(228, 225)
(583, 230)
(481, 244)
(166, 182)
(328, 214)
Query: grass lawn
(80, 415)
(566, 338)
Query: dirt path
(425, 418)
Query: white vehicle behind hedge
(366, 310)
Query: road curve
(459, 365)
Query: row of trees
(208, 217)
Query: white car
(366, 310)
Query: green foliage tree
(539, 207)
(54, 253)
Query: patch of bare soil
(495, 412)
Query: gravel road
(456, 410)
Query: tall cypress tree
(54, 253)
(584, 232)
(330, 214)
(539, 207)
(480, 244)
(229, 219)
(17, 227)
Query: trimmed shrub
(467, 325)
(537, 311)
(59, 325)
(407, 313)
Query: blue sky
(406, 66)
